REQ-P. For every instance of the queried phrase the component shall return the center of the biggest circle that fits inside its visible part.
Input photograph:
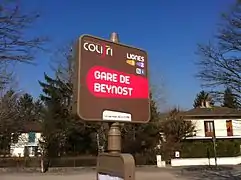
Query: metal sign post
(114, 134)
(111, 86)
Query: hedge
(204, 148)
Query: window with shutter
(209, 127)
(229, 127)
(31, 137)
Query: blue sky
(168, 30)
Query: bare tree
(220, 63)
(63, 65)
(175, 129)
(9, 112)
(63, 62)
(15, 45)
(9, 121)
(158, 89)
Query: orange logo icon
(131, 62)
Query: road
(140, 175)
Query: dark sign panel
(111, 82)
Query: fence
(79, 161)
(54, 162)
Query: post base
(110, 165)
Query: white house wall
(17, 149)
(220, 127)
(199, 124)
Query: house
(27, 143)
(212, 122)
(221, 122)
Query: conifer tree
(62, 131)
(202, 96)
(229, 99)
(55, 115)
(29, 110)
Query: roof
(213, 112)
(32, 126)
